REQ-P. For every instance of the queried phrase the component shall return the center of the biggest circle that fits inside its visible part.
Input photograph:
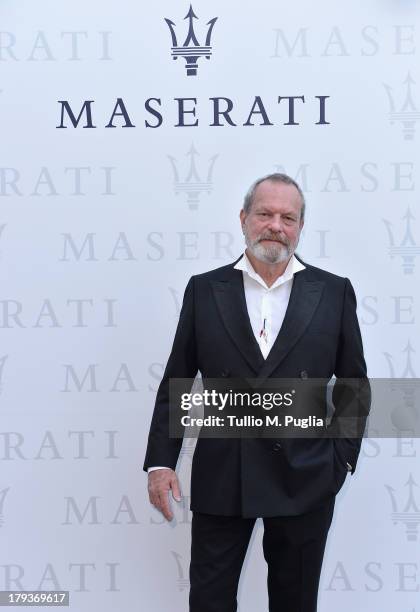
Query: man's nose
(276, 224)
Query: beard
(273, 253)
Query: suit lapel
(230, 300)
(303, 302)
(231, 303)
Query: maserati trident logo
(3, 494)
(1, 229)
(408, 248)
(404, 416)
(2, 362)
(193, 184)
(188, 447)
(407, 113)
(191, 50)
(409, 513)
(182, 581)
(407, 370)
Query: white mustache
(273, 238)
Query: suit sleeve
(351, 395)
(182, 363)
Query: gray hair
(277, 177)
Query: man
(267, 315)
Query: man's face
(273, 225)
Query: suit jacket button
(225, 373)
(277, 446)
(304, 374)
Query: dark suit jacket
(319, 338)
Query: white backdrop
(101, 227)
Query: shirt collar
(292, 268)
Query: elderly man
(267, 315)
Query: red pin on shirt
(263, 332)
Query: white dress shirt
(266, 305)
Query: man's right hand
(160, 482)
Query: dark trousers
(293, 549)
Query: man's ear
(242, 217)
